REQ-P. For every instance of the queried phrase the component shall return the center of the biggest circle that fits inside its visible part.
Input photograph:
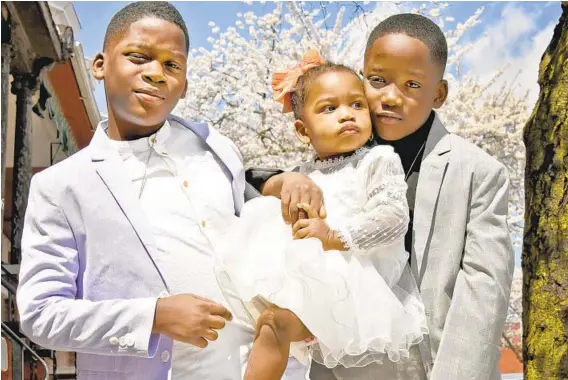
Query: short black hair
(415, 26)
(141, 9)
(306, 80)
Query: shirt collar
(159, 140)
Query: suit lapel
(432, 172)
(231, 160)
(110, 169)
(233, 166)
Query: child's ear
(98, 66)
(301, 131)
(441, 94)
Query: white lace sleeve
(384, 217)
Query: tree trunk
(545, 247)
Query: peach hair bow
(284, 82)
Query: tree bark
(545, 246)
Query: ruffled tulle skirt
(341, 298)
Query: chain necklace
(145, 177)
(414, 161)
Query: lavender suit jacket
(88, 279)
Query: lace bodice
(365, 197)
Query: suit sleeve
(469, 347)
(256, 177)
(51, 313)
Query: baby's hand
(293, 188)
(314, 227)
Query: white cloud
(512, 43)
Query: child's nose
(390, 96)
(345, 114)
(154, 72)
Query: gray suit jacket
(463, 262)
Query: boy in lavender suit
(117, 256)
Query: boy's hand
(317, 228)
(190, 319)
(293, 188)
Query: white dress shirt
(188, 201)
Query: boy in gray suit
(458, 239)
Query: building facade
(48, 112)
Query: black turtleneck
(409, 148)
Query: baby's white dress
(362, 305)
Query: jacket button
(113, 340)
(165, 356)
(129, 340)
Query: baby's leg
(276, 328)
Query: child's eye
(358, 105)
(173, 65)
(328, 109)
(376, 81)
(137, 56)
(413, 84)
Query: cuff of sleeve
(146, 343)
(257, 176)
(345, 238)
